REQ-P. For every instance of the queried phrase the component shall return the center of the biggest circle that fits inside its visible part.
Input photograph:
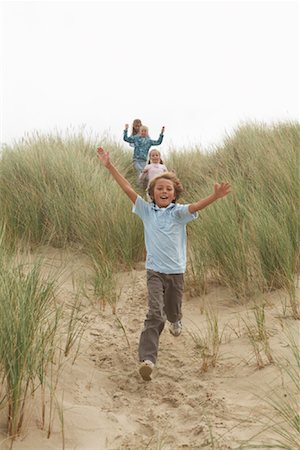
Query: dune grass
(283, 420)
(28, 327)
(207, 339)
(258, 334)
(250, 240)
(54, 190)
(37, 334)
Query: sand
(105, 405)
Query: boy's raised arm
(122, 182)
(220, 190)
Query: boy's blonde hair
(178, 188)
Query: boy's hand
(162, 130)
(220, 190)
(126, 126)
(103, 156)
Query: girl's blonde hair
(178, 188)
(143, 127)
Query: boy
(165, 239)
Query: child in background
(142, 143)
(165, 239)
(136, 124)
(155, 166)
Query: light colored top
(165, 235)
(153, 169)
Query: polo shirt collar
(157, 208)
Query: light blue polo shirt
(165, 235)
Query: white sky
(200, 68)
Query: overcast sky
(199, 68)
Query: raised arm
(127, 138)
(160, 139)
(122, 182)
(220, 190)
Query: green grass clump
(283, 420)
(28, 328)
(54, 191)
(250, 240)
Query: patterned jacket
(141, 144)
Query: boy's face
(164, 192)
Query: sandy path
(107, 406)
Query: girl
(136, 125)
(155, 166)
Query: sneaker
(175, 328)
(146, 370)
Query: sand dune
(107, 406)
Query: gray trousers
(164, 303)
